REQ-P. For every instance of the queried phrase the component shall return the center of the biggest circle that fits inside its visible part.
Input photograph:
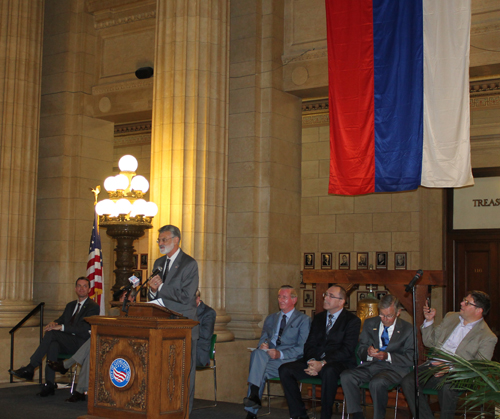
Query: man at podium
(175, 288)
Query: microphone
(417, 276)
(128, 287)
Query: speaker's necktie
(384, 338)
(72, 320)
(165, 271)
(282, 327)
(330, 323)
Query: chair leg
(215, 385)
(73, 380)
(396, 404)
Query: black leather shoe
(24, 372)
(48, 389)
(250, 415)
(252, 401)
(57, 366)
(76, 397)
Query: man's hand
(52, 326)
(313, 368)
(429, 313)
(264, 345)
(154, 283)
(377, 354)
(443, 371)
(274, 353)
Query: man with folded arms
(282, 340)
(386, 351)
(464, 333)
(328, 351)
(66, 335)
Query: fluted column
(189, 137)
(21, 25)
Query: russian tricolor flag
(399, 94)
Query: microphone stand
(411, 287)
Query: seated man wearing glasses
(328, 351)
(386, 351)
(282, 340)
(465, 334)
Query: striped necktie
(330, 323)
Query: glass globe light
(151, 209)
(123, 206)
(138, 208)
(128, 163)
(105, 207)
(139, 183)
(110, 184)
(121, 182)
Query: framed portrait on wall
(326, 261)
(381, 260)
(362, 260)
(400, 260)
(344, 260)
(136, 261)
(308, 298)
(308, 260)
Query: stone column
(263, 246)
(76, 154)
(21, 25)
(189, 137)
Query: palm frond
(480, 378)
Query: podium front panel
(140, 369)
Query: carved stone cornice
(108, 23)
(123, 85)
(134, 128)
(476, 29)
(101, 5)
(313, 54)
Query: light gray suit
(380, 374)
(178, 293)
(478, 343)
(293, 338)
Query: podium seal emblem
(120, 372)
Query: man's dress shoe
(48, 389)
(58, 366)
(76, 397)
(24, 372)
(250, 415)
(252, 401)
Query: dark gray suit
(293, 339)
(206, 317)
(69, 341)
(178, 293)
(380, 374)
(479, 343)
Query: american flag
(94, 267)
(119, 375)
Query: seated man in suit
(206, 317)
(282, 340)
(328, 351)
(66, 335)
(82, 357)
(386, 351)
(465, 334)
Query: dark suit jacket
(339, 345)
(80, 327)
(206, 317)
(400, 346)
(178, 292)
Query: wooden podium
(139, 364)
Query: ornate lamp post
(125, 215)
